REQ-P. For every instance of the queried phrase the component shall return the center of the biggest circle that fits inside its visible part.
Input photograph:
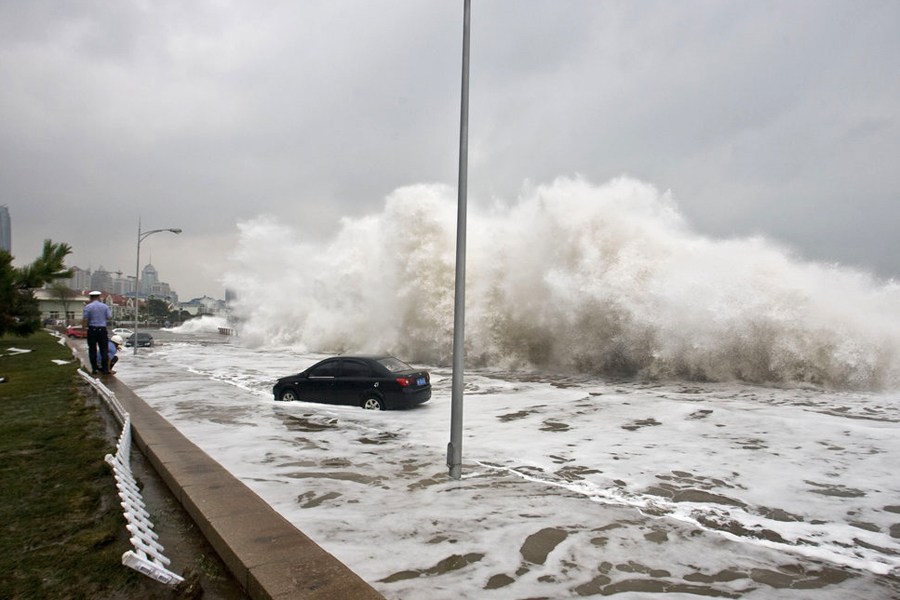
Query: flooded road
(572, 487)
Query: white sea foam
(572, 276)
(201, 324)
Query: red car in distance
(76, 332)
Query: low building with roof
(60, 308)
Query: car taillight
(403, 381)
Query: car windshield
(394, 365)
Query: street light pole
(137, 275)
(454, 448)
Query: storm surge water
(571, 276)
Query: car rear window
(394, 365)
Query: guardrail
(147, 557)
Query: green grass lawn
(63, 533)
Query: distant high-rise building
(161, 290)
(101, 280)
(5, 229)
(149, 278)
(124, 286)
(81, 279)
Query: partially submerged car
(373, 382)
(143, 340)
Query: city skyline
(101, 278)
(123, 284)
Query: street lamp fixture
(137, 275)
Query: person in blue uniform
(95, 318)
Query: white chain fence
(147, 556)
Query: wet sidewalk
(267, 555)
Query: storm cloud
(760, 118)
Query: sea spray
(201, 324)
(571, 276)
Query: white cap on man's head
(94, 293)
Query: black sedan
(144, 340)
(372, 382)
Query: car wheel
(288, 396)
(373, 403)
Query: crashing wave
(571, 276)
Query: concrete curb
(267, 555)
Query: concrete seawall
(267, 555)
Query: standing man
(95, 317)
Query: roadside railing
(147, 556)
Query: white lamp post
(137, 275)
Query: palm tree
(19, 313)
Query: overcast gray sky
(776, 118)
